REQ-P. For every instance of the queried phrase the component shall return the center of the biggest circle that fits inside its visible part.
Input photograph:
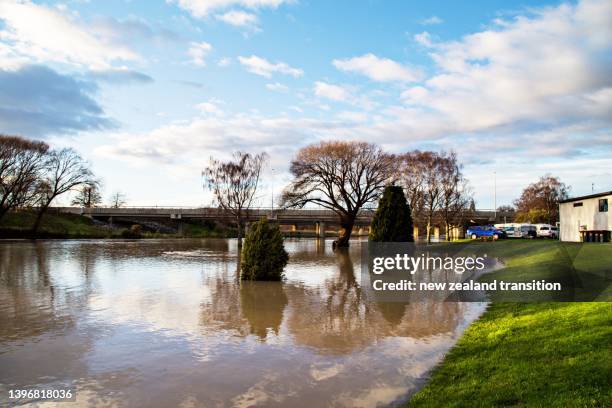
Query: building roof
(569, 200)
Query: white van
(547, 231)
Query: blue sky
(147, 91)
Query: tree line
(33, 175)
(347, 177)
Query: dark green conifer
(392, 221)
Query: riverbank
(531, 354)
(70, 226)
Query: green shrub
(263, 252)
(392, 221)
(135, 231)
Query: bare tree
(21, 162)
(234, 184)
(64, 170)
(456, 194)
(340, 176)
(89, 194)
(118, 199)
(431, 181)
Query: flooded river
(164, 323)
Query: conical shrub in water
(263, 252)
(392, 221)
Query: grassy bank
(533, 354)
(19, 225)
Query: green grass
(533, 354)
(19, 224)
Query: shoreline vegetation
(552, 354)
(18, 225)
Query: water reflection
(165, 323)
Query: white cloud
(547, 68)
(224, 62)
(277, 87)
(36, 33)
(432, 20)
(201, 8)
(423, 38)
(331, 91)
(377, 69)
(198, 51)
(263, 67)
(239, 18)
(210, 107)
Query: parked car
(512, 230)
(486, 231)
(529, 231)
(547, 231)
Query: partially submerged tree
(64, 171)
(234, 184)
(89, 194)
(118, 200)
(263, 256)
(392, 221)
(340, 176)
(21, 164)
(456, 195)
(422, 174)
(544, 195)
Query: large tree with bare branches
(234, 184)
(64, 171)
(434, 183)
(21, 162)
(340, 176)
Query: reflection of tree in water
(338, 318)
(31, 301)
(393, 312)
(262, 304)
(245, 307)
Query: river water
(164, 323)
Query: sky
(149, 91)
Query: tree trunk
(346, 223)
(3, 211)
(41, 212)
(239, 224)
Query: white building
(586, 219)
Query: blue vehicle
(486, 231)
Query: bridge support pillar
(181, 228)
(321, 229)
(110, 221)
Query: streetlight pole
(495, 194)
(272, 188)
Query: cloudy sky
(149, 90)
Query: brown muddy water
(164, 323)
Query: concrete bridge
(320, 218)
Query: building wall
(588, 216)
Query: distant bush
(392, 221)
(135, 231)
(263, 252)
